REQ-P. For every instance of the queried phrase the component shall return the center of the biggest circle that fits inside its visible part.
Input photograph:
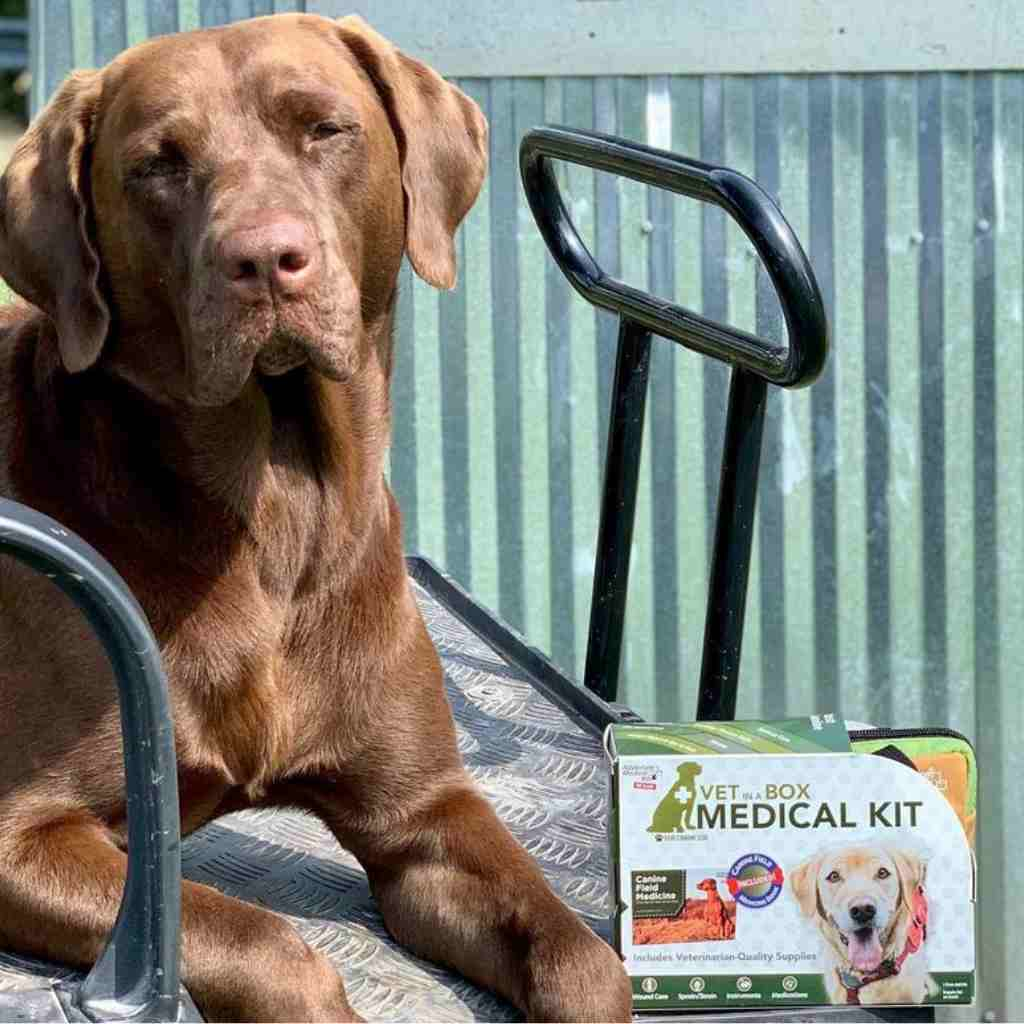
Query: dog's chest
(259, 659)
(263, 667)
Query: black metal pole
(618, 506)
(755, 361)
(730, 559)
(136, 976)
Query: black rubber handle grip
(746, 202)
(136, 976)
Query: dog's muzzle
(280, 356)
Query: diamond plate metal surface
(540, 770)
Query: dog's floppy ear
(911, 868)
(803, 881)
(46, 253)
(442, 143)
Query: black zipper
(906, 734)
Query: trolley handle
(137, 975)
(796, 365)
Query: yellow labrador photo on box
(868, 903)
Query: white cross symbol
(683, 795)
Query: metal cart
(528, 734)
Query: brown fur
(221, 442)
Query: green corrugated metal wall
(888, 575)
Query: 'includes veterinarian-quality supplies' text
(774, 864)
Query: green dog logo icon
(676, 807)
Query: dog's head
(861, 898)
(237, 198)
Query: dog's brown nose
(278, 254)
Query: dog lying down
(869, 906)
(208, 234)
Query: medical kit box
(762, 864)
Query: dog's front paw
(578, 977)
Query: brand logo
(675, 811)
(691, 807)
(648, 781)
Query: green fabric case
(945, 757)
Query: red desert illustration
(701, 920)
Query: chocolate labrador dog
(209, 232)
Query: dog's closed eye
(167, 162)
(323, 130)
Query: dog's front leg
(60, 887)
(455, 887)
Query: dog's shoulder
(22, 329)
